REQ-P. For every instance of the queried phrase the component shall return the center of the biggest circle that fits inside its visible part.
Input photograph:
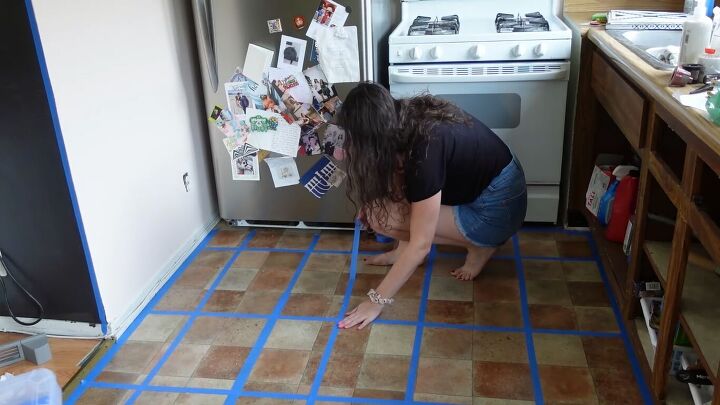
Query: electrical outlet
(186, 181)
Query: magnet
(299, 22)
(274, 26)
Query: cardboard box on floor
(600, 180)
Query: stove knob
(477, 51)
(415, 53)
(539, 50)
(518, 51)
(399, 53)
(436, 52)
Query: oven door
(524, 103)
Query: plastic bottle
(711, 61)
(697, 29)
(715, 38)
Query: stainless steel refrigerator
(224, 29)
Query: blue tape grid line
(110, 354)
(241, 379)
(47, 85)
(419, 329)
(480, 328)
(189, 322)
(327, 353)
(647, 396)
(235, 393)
(532, 361)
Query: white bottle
(715, 39)
(697, 29)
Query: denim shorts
(499, 210)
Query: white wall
(131, 116)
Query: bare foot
(387, 258)
(477, 258)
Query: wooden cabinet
(677, 222)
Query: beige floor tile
(499, 347)
(559, 350)
(581, 271)
(237, 279)
(239, 332)
(596, 319)
(443, 399)
(316, 282)
(450, 289)
(543, 270)
(299, 335)
(391, 340)
(183, 360)
(548, 292)
(156, 398)
(327, 262)
(210, 383)
(250, 260)
(134, 357)
(381, 372)
(180, 299)
(455, 378)
(200, 399)
(158, 328)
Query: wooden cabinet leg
(671, 305)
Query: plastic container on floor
(37, 387)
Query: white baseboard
(52, 327)
(119, 325)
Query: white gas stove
(507, 63)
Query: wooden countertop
(651, 81)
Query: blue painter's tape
(532, 361)
(188, 324)
(158, 388)
(417, 344)
(47, 85)
(274, 395)
(265, 333)
(322, 366)
(635, 365)
(105, 360)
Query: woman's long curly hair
(380, 132)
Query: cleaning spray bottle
(697, 29)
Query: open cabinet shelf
(700, 305)
(614, 259)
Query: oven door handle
(406, 75)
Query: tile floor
(250, 319)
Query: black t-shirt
(459, 159)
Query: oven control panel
(508, 51)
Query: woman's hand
(363, 315)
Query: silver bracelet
(376, 298)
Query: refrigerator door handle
(203, 14)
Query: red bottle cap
(710, 51)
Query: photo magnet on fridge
(292, 53)
(317, 179)
(274, 26)
(328, 14)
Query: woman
(423, 171)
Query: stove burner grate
(531, 22)
(448, 25)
